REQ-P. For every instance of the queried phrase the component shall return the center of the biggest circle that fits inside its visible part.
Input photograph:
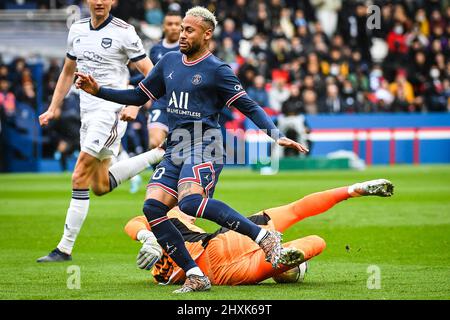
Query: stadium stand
(287, 58)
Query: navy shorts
(169, 175)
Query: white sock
(125, 169)
(196, 271)
(260, 236)
(76, 214)
(123, 155)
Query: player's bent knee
(190, 204)
(154, 209)
(100, 190)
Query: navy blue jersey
(197, 91)
(159, 50)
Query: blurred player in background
(100, 46)
(158, 126)
(229, 258)
(200, 85)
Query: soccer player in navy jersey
(199, 86)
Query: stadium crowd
(293, 57)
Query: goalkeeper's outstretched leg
(316, 203)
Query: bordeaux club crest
(106, 42)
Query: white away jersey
(104, 53)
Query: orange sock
(135, 225)
(258, 269)
(285, 216)
(310, 245)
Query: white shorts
(101, 132)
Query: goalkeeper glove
(150, 251)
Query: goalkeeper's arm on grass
(150, 252)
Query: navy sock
(112, 182)
(197, 206)
(168, 236)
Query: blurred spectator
(50, 79)
(422, 22)
(310, 104)
(229, 31)
(153, 13)
(16, 70)
(292, 121)
(332, 103)
(286, 23)
(327, 14)
(25, 92)
(384, 97)
(263, 23)
(403, 92)
(247, 74)
(293, 106)
(436, 93)
(64, 131)
(226, 51)
(4, 71)
(349, 97)
(281, 53)
(258, 92)
(336, 65)
(137, 134)
(278, 94)
(353, 22)
(7, 98)
(396, 40)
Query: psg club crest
(196, 79)
(106, 42)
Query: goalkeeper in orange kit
(229, 258)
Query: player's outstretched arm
(63, 85)
(231, 91)
(127, 97)
(255, 113)
(129, 113)
(288, 143)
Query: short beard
(192, 50)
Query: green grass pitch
(407, 237)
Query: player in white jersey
(101, 46)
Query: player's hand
(46, 117)
(87, 83)
(288, 143)
(149, 254)
(129, 113)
